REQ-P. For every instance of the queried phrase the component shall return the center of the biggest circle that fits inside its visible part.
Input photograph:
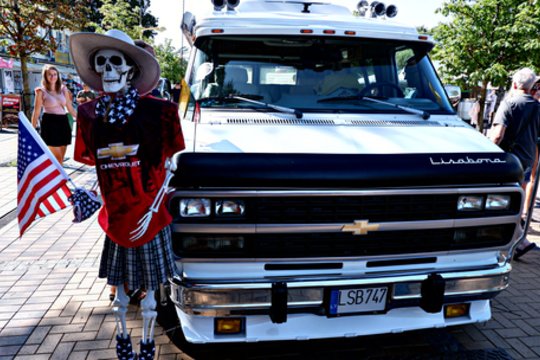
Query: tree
(173, 67)
(130, 16)
(28, 25)
(486, 41)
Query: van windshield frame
(299, 71)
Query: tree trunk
(26, 99)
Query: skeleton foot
(147, 350)
(124, 350)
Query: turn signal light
(229, 326)
(456, 310)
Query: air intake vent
(279, 122)
(393, 123)
(326, 122)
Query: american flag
(41, 180)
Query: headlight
(195, 207)
(470, 203)
(497, 202)
(230, 207)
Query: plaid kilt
(145, 266)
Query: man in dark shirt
(86, 94)
(175, 92)
(516, 126)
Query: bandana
(118, 109)
(85, 204)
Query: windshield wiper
(244, 98)
(228, 98)
(282, 109)
(424, 114)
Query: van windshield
(322, 74)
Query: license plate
(346, 301)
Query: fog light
(470, 203)
(230, 208)
(497, 202)
(456, 310)
(195, 207)
(228, 326)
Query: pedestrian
(129, 137)
(53, 97)
(516, 128)
(474, 111)
(86, 94)
(529, 196)
(175, 92)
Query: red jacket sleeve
(83, 148)
(174, 139)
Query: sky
(169, 14)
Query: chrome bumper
(218, 299)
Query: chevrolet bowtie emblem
(360, 227)
(117, 151)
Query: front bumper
(305, 314)
(239, 298)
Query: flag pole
(26, 123)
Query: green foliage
(118, 14)
(27, 26)
(486, 41)
(173, 67)
(130, 16)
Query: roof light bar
(375, 9)
(220, 4)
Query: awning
(6, 63)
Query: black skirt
(55, 130)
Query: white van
(322, 196)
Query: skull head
(114, 69)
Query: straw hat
(83, 46)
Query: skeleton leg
(149, 314)
(124, 350)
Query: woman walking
(53, 97)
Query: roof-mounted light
(362, 7)
(231, 4)
(375, 9)
(220, 4)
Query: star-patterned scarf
(118, 110)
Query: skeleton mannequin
(137, 248)
(115, 72)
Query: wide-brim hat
(83, 46)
